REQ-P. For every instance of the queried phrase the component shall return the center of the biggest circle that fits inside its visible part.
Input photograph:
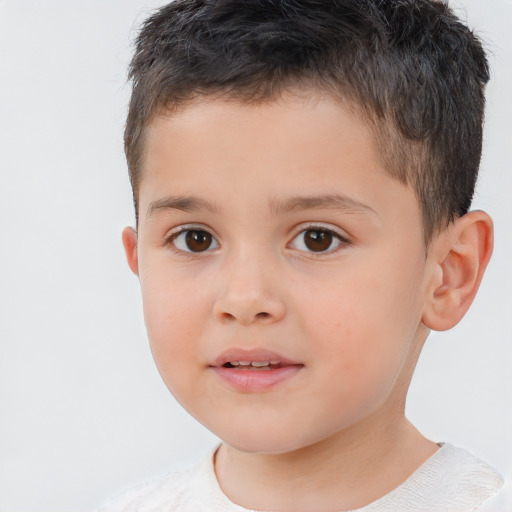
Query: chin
(262, 446)
(270, 441)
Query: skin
(355, 316)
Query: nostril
(227, 316)
(244, 319)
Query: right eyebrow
(330, 201)
(182, 203)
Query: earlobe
(130, 248)
(461, 256)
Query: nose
(248, 293)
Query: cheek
(173, 330)
(174, 318)
(364, 322)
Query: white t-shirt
(452, 480)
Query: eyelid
(341, 235)
(322, 226)
(182, 228)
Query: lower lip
(254, 381)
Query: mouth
(252, 359)
(254, 365)
(253, 371)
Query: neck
(347, 471)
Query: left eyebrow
(183, 203)
(332, 201)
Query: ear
(130, 248)
(460, 256)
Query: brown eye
(198, 241)
(194, 240)
(317, 240)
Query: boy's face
(272, 233)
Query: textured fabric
(452, 480)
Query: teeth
(255, 364)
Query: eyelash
(334, 235)
(342, 241)
(173, 237)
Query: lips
(252, 358)
(253, 371)
(253, 365)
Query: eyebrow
(182, 203)
(330, 201)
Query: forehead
(298, 127)
(295, 115)
(291, 147)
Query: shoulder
(466, 474)
(452, 479)
(501, 502)
(185, 490)
(471, 481)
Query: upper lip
(252, 355)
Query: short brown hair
(410, 67)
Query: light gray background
(83, 412)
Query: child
(302, 173)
